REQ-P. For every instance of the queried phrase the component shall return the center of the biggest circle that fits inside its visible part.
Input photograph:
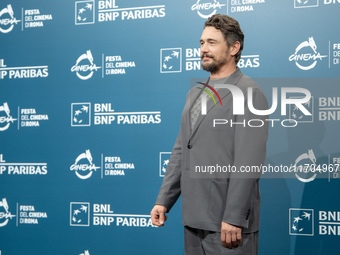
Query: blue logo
(301, 222)
(79, 214)
(84, 12)
(171, 60)
(306, 3)
(80, 114)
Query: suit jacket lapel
(233, 79)
(195, 92)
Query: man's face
(214, 50)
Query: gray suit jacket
(209, 199)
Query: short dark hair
(230, 29)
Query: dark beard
(215, 66)
(212, 68)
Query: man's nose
(204, 48)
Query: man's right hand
(158, 216)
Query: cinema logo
(103, 215)
(5, 117)
(302, 222)
(27, 117)
(31, 18)
(7, 19)
(306, 56)
(171, 60)
(110, 166)
(26, 214)
(22, 72)
(111, 65)
(84, 67)
(7, 168)
(108, 10)
(206, 9)
(239, 105)
(84, 166)
(244, 5)
(305, 167)
(5, 214)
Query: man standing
(220, 211)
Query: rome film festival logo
(301, 222)
(7, 119)
(171, 60)
(308, 56)
(7, 19)
(80, 114)
(83, 70)
(84, 12)
(80, 214)
(303, 171)
(206, 9)
(5, 214)
(80, 166)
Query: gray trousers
(203, 242)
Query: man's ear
(235, 48)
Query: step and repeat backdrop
(91, 94)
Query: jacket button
(248, 212)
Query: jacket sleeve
(250, 153)
(171, 187)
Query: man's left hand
(231, 236)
